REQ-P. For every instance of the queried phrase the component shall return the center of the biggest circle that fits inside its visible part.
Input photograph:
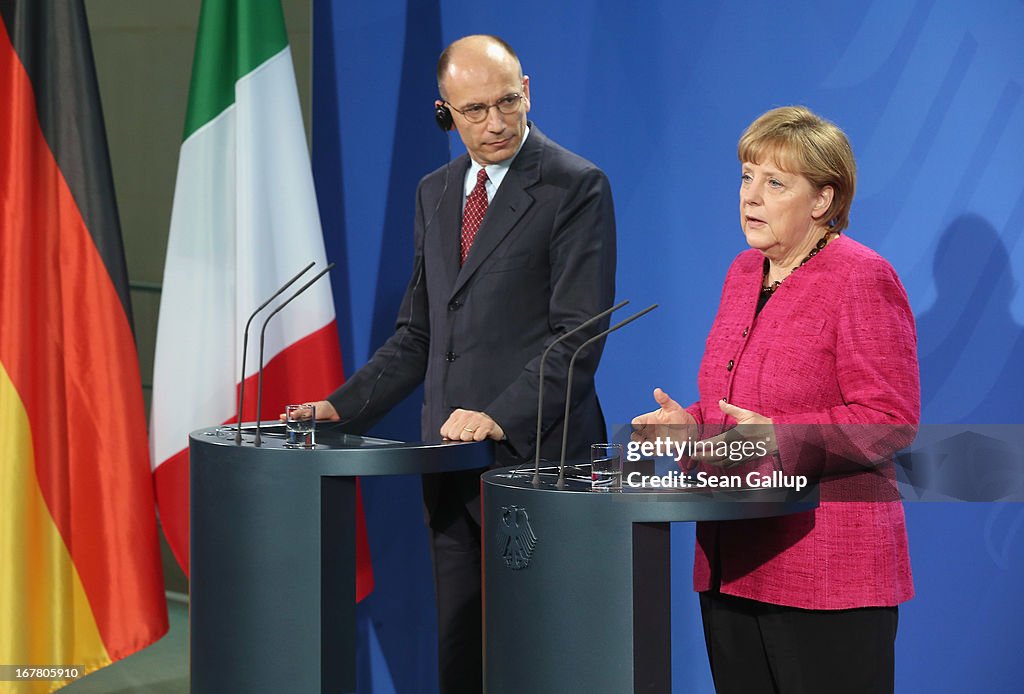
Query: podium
(577, 584)
(272, 539)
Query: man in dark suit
(515, 245)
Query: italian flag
(244, 221)
(80, 577)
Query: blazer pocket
(508, 263)
(810, 327)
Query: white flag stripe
(244, 221)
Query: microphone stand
(245, 349)
(540, 385)
(568, 387)
(263, 334)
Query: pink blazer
(832, 359)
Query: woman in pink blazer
(812, 354)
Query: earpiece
(443, 117)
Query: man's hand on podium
(324, 411)
(469, 425)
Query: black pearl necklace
(768, 289)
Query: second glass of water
(606, 467)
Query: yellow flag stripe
(43, 606)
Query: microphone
(568, 386)
(540, 384)
(263, 334)
(245, 349)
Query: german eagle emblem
(515, 537)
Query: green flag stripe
(235, 37)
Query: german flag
(80, 576)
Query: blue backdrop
(657, 93)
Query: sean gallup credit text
(677, 480)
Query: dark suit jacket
(542, 263)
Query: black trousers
(755, 647)
(455, 550)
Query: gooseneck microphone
(540, 384)
(245, 349)
(263, 334)
(568, 386)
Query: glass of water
(606, 467)
(300, 425)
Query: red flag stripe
(300, 368)
(74, 369)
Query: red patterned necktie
(476, 208)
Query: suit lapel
(448, 224)
(509, 205)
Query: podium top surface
(337, 453)
(663, 503)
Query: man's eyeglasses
(477, 113)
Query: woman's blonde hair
(802, 142)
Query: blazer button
(745, 331)
(451, 356)
(455, 305)
(729, 367)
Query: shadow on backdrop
(328, 176)
(402, 609)
(970, 347)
